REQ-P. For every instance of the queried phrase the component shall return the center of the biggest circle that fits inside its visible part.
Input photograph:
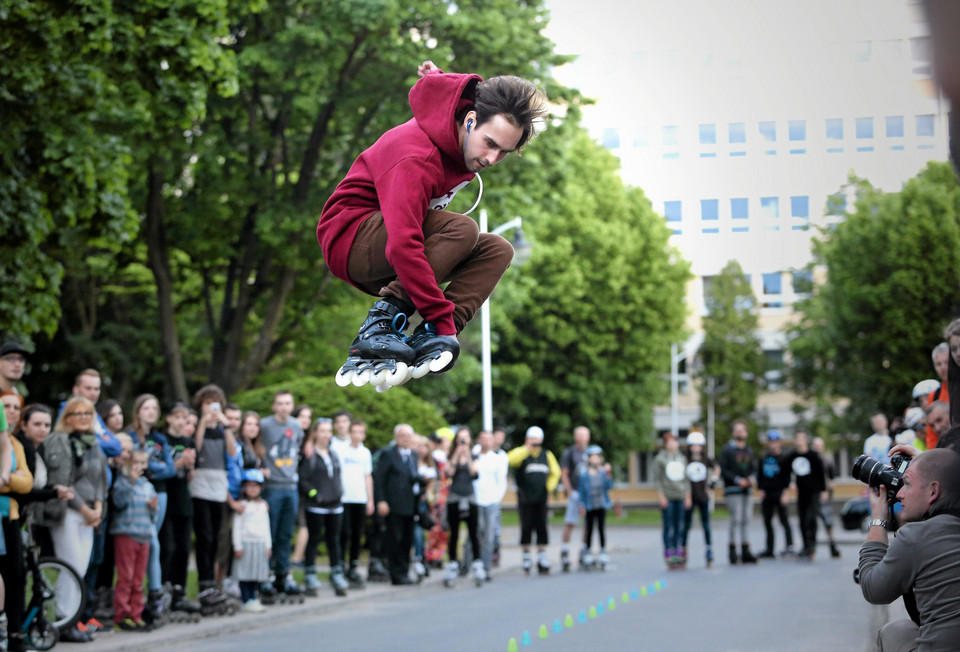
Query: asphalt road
(776, 605)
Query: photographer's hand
(906, 450)
(878, 510)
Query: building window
(773, 290)
(641, 137)
(671, 136)
(774, 373)
(708, 134)
(611, 138)
(712, 229)
(925, 126)
(737, 132)
(864, 128)
(768, 132)
(800, 211)
(894, 126)
(709, 209)
(671, 211)
(770, 207)
(797, 130)
(834, 128)
(802, 281)
(739, 208)
(741, 229)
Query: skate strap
(398, 324)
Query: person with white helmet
(594, 485)
(537, 473)
(673, 490)
(701, 472)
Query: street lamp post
(522, 251)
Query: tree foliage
(732, 363)
(892, 271)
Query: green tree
(866, 332)
(732, 363)
(583, 329)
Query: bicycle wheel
(63, 590)
(42, 635)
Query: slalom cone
(625, 598)
(593, 612)
(643, 590)
(525, 640)
(558, 626)
(568, 621)
(611, 604)
(600, 609)
(512, 645)
(543, 632)
(583, 616)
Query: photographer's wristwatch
(878, 522)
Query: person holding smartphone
(462, 506)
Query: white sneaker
(231, 587)
(254, 606)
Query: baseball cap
(12, 347)
(535, 432)
(773, 435)
(594, 450)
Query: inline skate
(479, 572)
(338, 581)
(434, 354)
(587, 561)
(182, 610)
(543, 563)
(377, 572)
(603, 559)
(353, 576)
(565, 560)
(213, 602)
(156, 611)
(288, 591)
(268, 594)
(451, 574)
(311, 583)
(378, 355)
(527, 562)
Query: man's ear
(934, 491)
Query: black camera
(874, 473)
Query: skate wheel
(344, 377)
(399, 376)
(379, 378)
(420, 370)
(441, 363)
(381, 388)
(361, 378)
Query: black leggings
(207, 519)
(319, 525)
(598, 516)
(12, 569)
(354, 518)
(533, 516)
(454, 518)
(175, 548)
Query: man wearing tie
(397, 489)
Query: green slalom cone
(611, 603)
(643, 590)
(568, 621)
(543, 632)
(593, 612)
(558, 627)
(512, 645)
(625, 598)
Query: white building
(740, 118)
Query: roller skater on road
(673, 490)
(595, 483)
(537, 473)
(572, 464)
(385, 231)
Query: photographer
(922, 557)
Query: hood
(435, 100)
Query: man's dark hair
(517, 99)
(212, 392)
(341, 413)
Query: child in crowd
(673, 490)
(321, 491)
(177, 529)
(252, 545)
(594, 486)
(135, 502)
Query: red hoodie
(412, 168)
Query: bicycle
(45, 579)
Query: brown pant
(470, 262)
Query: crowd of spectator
(128, 499)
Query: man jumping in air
(384, 229)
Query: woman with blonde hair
(73, 459)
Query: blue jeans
(154, 575)
(283, 519)
(672, 525)
(489, 518)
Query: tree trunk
(159, 261)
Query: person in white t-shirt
(357, 479)
(878, 444)
(490, 488)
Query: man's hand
(878, 502)
(383, 509)
(239, 554)
(426, 68)
(904, 449)
(370, 508)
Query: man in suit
(397, 489)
